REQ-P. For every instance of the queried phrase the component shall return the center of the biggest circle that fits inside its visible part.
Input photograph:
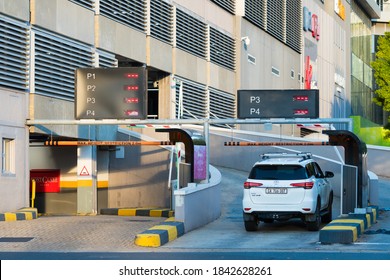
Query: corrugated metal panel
(190, 34)
(255, 12)
(161, 21)
(56, 58)
(276, 19)
(14, 53)
(194, 99)
(222, 104)
(129, 12)
(228, 5)
(294, 25)
(89, 4)
(222, 49)
(107, 59)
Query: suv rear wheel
(251, 222)
(316, 224)
(327, 217)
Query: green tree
(381, 68)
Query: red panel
(47, 180)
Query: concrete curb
(150, 212)
(346, 230)
(156, 236)
(19, 215)
(160, 234)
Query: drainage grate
(16, 239)
(379, 231)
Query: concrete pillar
(86, 180)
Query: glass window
(278, 172)
(8, 156)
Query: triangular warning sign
(84, 171)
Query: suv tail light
(248, 185)
(305, 185)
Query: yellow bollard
(33, 187)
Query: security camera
(246, 40)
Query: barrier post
(33, 188)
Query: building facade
(198, 54)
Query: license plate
(276, 190)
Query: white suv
(283, 186)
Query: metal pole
(207, 140)
(189, 121)
(322, 143)
(107, 143)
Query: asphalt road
(112, 237)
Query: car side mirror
(329, 174)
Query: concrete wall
(64, 17)
(199, 204)
(16, 8)
(269, 52)
(13, 186)
(140, 177)
(378, 160)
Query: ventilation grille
(222, 49)
(194, 99)
(128, 12)
(280, 18)
(190, 34)
(228, 5)
(56, 58)
(89, 4)
(222, 105)
(255, 12)
(276, 18)
(14, 54)
(161, 20)
(294, 27)
(107, 59)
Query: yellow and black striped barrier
(19, 215)
(346, 230)
(160, 234)
(150, 212)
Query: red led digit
(132, 75)
(130, 88)
(301, 98)
(131, 113)
(131, 99)
(301, 112)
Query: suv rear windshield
(278, 172)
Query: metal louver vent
(128, 12)
(294, 25)
(161, 20)
(222, 104)
(255, 12)
(56, 58)
(228, 5)
(190, 34)
(276, 18)
(107, 59)
(14, 54)
(89, 4)
(222, 49)
(194, 99)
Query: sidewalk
(101, 233)
(116, 233)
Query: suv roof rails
(304, 156)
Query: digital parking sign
(265, 104)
